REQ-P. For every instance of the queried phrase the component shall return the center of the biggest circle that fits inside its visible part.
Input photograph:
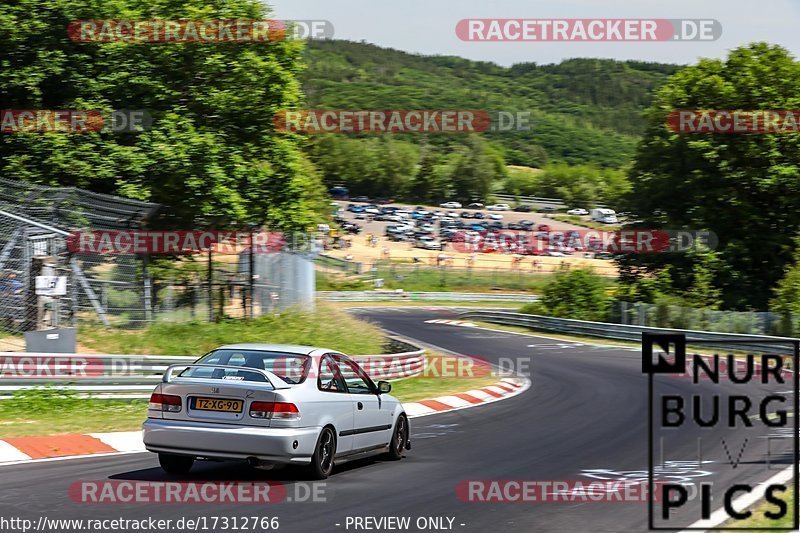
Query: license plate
(216, 404)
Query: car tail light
(274, 410)
(165, 402)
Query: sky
(428, 26)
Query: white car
(499, 207)
(372, 210)
(428, 243)
(273, 405)
(450, 205)
(394, 218)
(578, 211)
(495, 216)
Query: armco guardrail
(392, 296)
(135, 376)
(557, 203)
(626, 332)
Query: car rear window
(292, 368)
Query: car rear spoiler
(272, 379)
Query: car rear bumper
(216, 441)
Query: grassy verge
(758, 520)
(432, 279)
(49, 412)
(328, 326)
(578, 221)
(426, 303)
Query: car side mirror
(384, 387)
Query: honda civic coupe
(273, 405)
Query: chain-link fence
(663, 315)
(53, 274)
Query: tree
(579, 294)
(786, 300)
(212, 154)
(743, 187)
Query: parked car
(495, 216)
(523, 209)
(351, 228)
(475, 205)
(499, 207)
(428, 243)
(450, 205)
(547, 209)
(527, 224)
(273, 405)
(478, 215)
(372, 210)
(578, 211)
(466, 214)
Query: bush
(579, 294)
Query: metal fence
(673, 316)
(625, 332)
(105, 376)
(556, 203)
(393, 296)
(39, 229)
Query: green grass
(759, 520)
(432, 279)
(51, 412)
(328, 326)
(578, 221)
(426, 303)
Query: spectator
(9, 284)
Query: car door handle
(360, 406)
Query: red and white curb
(502, 390)
(28, 449)
(461, 323)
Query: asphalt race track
(586, 411)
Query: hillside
(584, 110)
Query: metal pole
(148, 290)
(210, 286)
(251, 272)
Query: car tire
(397, 445)
(175, 464)
(324, 453)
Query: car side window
(357, 382)
(330, 377)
